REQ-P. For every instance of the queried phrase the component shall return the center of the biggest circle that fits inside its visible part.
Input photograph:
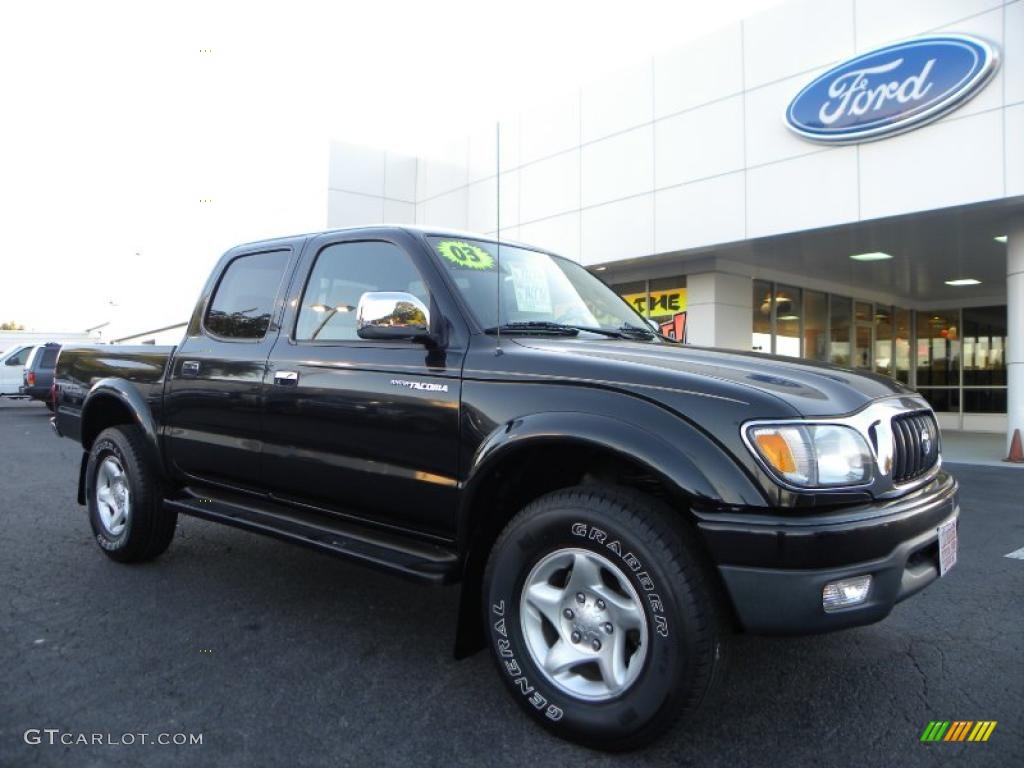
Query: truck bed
(82, 367)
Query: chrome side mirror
(392, 315)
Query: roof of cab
(380, 228)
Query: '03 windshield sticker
(465, 255)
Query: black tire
(685, 615)
(150, 526)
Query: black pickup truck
(614, 503)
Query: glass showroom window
(938, 358)
(883, 339)
(816, 325)
(761, 340)
(788, 307)
(984, 360)
(840, 315)
(902, 334)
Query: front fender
(689, 461)
(669, 446)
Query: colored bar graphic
(982, 730)
(958, 730)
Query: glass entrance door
(863, 323)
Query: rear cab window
(243, 302)
(49, 357)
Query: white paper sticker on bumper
(947, 546)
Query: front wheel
(602, 616)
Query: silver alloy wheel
(113, 498)
(584, 624)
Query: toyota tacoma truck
(613, 502)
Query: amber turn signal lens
(776, 452)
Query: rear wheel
(602, 617)
(126, 509)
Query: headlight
(812, 455)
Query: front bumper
(774, 567)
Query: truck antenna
(497, 182)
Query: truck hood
(810, 389)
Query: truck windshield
(537, 290)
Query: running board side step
(418, 560)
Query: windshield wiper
(569, 329)
(548, 326)
(631, 330)
(534, 326)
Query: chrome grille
(915, 439)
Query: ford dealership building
(838, 180)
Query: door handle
(190, 368)
(286, 378)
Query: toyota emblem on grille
(926, 442)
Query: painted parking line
(1017, 554)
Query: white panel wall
(450, 210)
(551, 186)
(400, 177)
(349, 209)
(549, 128)
(796, 37)
(482, 212)
(1013, 53)
(701, 213)
(689, 149)
(947, 163)
(560, 234)
(618, 167)
(880, 22)
(621, 101)
(803, 193)
(357, 169)
(616, 230)
(1014, 126)
(702, 142)
(370, 186)
(679, 76)
(768, 140)
(399, 212)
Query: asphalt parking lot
(281, 656)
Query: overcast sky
(117, 123)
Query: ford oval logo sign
(892, 89)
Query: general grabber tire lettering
(604, 620)
(122, 489)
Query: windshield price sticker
(465, 255)
(531, 287)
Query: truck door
(364, 428)
(213, 399)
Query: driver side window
(343, 272)
(21, 358)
